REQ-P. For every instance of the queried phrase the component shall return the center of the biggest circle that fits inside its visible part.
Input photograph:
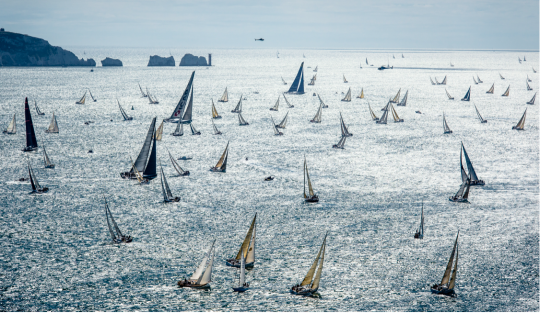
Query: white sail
(318, 115)
(83, 99)
(404, 100)
(238, 108)
(53, 126)
(242, 271)
(179, 131)
(274, 126)
(530, 102)
(207, 276)
(177, 167)
(507, 92)
(241, 120)
(12, 127)
(48, 163)
(225, 96)
(478, 79)
(383, 118)
(347, 96)
(276, 106)
(521, 124)
(198, 272)
(344, 79)
(445, 126)
(287, 101)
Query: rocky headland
(156, 60)
(23, 50)
(192, 60)
(111, 62)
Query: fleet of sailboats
(447, 285)
(310, 283)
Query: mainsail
(491, 89)
(443, 81)
(446, 276)
(472, 172)
(507, 92)
(361, 95)
(31, 141)
(310, 187)
(528, 87)
(308, 279)
(124, 114)
(344, 129)
(140, 162)
(521, 124)
(177, 114)
(225, 97)
(238, 108)
(475, 82)
(341, 143)
(276, 106)
(396, 98)
(324, 106)
(216, 131)
(150, 171)
(177, 167)
(48, 163)
(344, 79)
(247, 243)
(142, 92)
(38, 111)
(179, 131)
(297, 86)
(530, 102)
(283, 122)
(318, 115)
(12, 127)
(83, 99)
(214, 111)
(203, 273)
(167, 194)
(53, 126)
(159, 132)
(241, 120)
(287, 101)
(222, 163)
(404, 100)
(383, 118)
(347, 96)
(449, 96)
(482, 120)
(447, 129)
(467, 95)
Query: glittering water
(56, 253)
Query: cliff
(111, 62)
(192, 60)
(156, 60)
(23, 50)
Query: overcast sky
(309, 24)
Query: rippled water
(56, 253)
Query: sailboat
(395, 115)
(402, 56)
(238, 108)
(31, 141)
(396, 98)
(502, 76)
(141, 164)
(436, 81)
(82, 100)
(225, 96)
(142, 92)
(463, 193)
(404, 100)
(242, 284)
(534, 71)
(287, 101)
(447, 285)
(283, 122)
(451, 65)
(449, 96)
(216, 131)
(247, 249)
(524, 60)
(276, 130)
(221, 165)
(521, 124)
(475, 82)
(177, 167)
(312, 197)
(215, 114)
(12, 127)
(519, 59)
(241, 120)
(445, 125)
(443, 81)
(53, 126)
(507, 92)
(344, 129)
(202, 276)
(473, 178)
(482, 120)
(367, 62)
(167, 194)
(431, 80)
(152, 99)
(361, 95)
(530, 102)
(318, 115)
(341, 143)
(116, 235)
(373, 116)
(124, 114)
(276, 106)
(179, 131)
(528, 87)
(316, 69)
(36, 187)
(344, 79)
(310, 285)
(140, 179)
(297, 86)
(393, 57)
(491, 89)
(284, 82)
(183, 111)
(478, 79)
(91, 96)
(47, 161)
(38, 111)
(323, 105)
(528, 79)
(420, 231)
(159, 132)
(313, 79)
(467, 95)
(193, 130)
(347, 96)
(384, 117)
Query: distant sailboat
(53, 126)
(402, 56)
(316, 69)
(310, 285)
(276, 106)
(482, 120)
(124, 114)
(451, 65)
(313, 79)
(91, 96)
(12, 127)
(347, 96)
(528, 79)
(318, 115)
(519, 59)
(179, 131)
(528, 87)
(446, 129)
(521, 124)
(276, 130)
(384, 117)
(404, 100)
(46, 160)
(310, 196)
(152, 99)
(467, 95)
(202, 276)
(395, 115)
(507, 92)
(436, 81)
(463, 193)
(141, 164)
(225, 96)
(287, 101)
(473, 178)
(36, 187)
(283, 122)
(478, 80)
(297, 86)
(193, 130)
(432, 82)
(215, 114)
(238, 108)
(241, 120)
(475, 82)
(216, 131)
(284, 82)
(344, 79)
(420, 231)
(341, 143)
(38, 111)
(530, 102)
(491, 89)
(82, 100)
(361, 95)
(323, 105)
(447, 285)
(142, 92)
(31, 141)
(247, 249)
(242, 284)
(116, 235)
(344, 130)
(534, 71)
(502, 76)
(396, 98)
(167, 194)
(159, 132)
(183, 111)
(373, 116)
(177, 167)
(443, 81)
(449, 96)
(367, 62)
(221, 165)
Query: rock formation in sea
(156, 60)
(111, 62)
(23, 50)
(192, 60)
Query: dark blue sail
(298, 84)
(472, 172)
(31, 142)
(150, 171)
(467, 95)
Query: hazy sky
(330, 24)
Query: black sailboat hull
(443, 291)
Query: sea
(56, 251)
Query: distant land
(23, 50)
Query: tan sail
(220, 162)
(446, 275)
(309, 276)
(137, 173)
(521, 124)
(394, 114)
(373, 116)
(251, 250)
(83, 99)
(159, 132)
(247, 240)
(214, 111)
(315, 284)
(361, 96)
(310, 187)
(225, 97)
(507, 92)
(12, 127)
(491, 89)
(396, 98)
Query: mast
(373, 116)
(225, 96)
(31, 141)
(177, 113)
(449, 96)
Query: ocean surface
(56, 251)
